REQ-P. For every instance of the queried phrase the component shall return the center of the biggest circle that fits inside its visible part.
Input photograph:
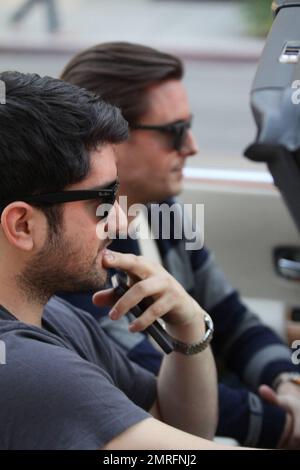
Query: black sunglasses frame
(105, 196)
(177, 129)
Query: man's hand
(190, 379)
(288, 398)
(171, 300)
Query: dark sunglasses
(178, 130)
(105, 195)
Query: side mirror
(274, 105)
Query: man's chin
(96, 279)
(171, 189)
(175, 188)
(101, 278)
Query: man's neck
(16, 302)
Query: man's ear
(18, 223)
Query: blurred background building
(220, 42)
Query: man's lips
(177, 168)
(102, 249)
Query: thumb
(105, 298)
(268, 394)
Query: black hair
(47, 130)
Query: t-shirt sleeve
(54, 399)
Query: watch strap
(194, 348)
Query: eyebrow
(104, 186)
(184, 119)
(169, 123)
(189, 118)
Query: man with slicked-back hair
(259, 394)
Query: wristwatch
(293, 377)
(195, 348)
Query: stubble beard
(59, 268)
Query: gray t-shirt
(66, 385)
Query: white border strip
(228, 175)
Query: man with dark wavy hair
(65, 385)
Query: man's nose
(190, 146)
